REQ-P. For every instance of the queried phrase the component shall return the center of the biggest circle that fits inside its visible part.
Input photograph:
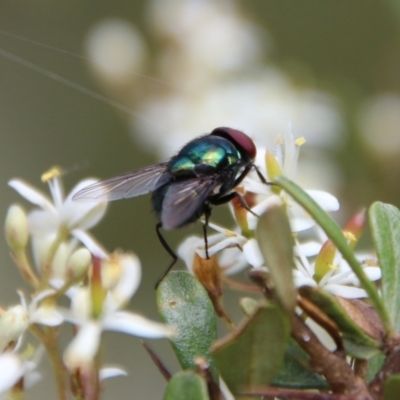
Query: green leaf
(385, 227)
(357, 342)
(374, 365)
(253, 354)
(334, 233)
(186, 385)
(296, 372)
(182, 302)
(391, 389)
(276, 244)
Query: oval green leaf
(183, 303)
(186, 385)
(252, 355)
(276, 244)
(385, 227)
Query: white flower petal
(251, 185)
(42, 222)
(345, 291)
(46, 316)
(325, 200)
(373, 273)
(111, 372)
(187, 249)
(81, 304)
(308, 249)
(301, 224)
(81, 352)
(42, 295)
(137, 325)
(82, 214)
(89, 243)
(128, 282)
(291, 153)
(31, 194)
(252, 253)
(261, 208)
(302, 280)
(232, 261)
(11, 370)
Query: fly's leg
(261, 176)
(230, 196)
(169, 251)
(207, 214)
(246, 170)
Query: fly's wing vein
(130, 184)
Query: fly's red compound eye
(238, 138)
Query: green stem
(25, 268)
(49, 340)
(334, 233)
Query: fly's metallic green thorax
(203, 157)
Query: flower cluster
(68, 261)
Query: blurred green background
(338, 58)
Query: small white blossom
(15, 321)
(120, 278)
(340, 280)
(59, 223)
(286, 154)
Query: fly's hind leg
(169, 251)
(207, 214)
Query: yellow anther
(334, 267)
(53, 172)
(369, 262)
(349, 236)
(300, 141)
(230, 233)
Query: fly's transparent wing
(183, 199)
(131, 184)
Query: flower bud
(324, 260)
(355, 227)
(79, 262)
(13, 323)
(273, 169)
(16, 228)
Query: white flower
(286, 155)
(235, 251)
(340, 280)
(15, 321)
(58, 224)
(120, 277)
(14, 367)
